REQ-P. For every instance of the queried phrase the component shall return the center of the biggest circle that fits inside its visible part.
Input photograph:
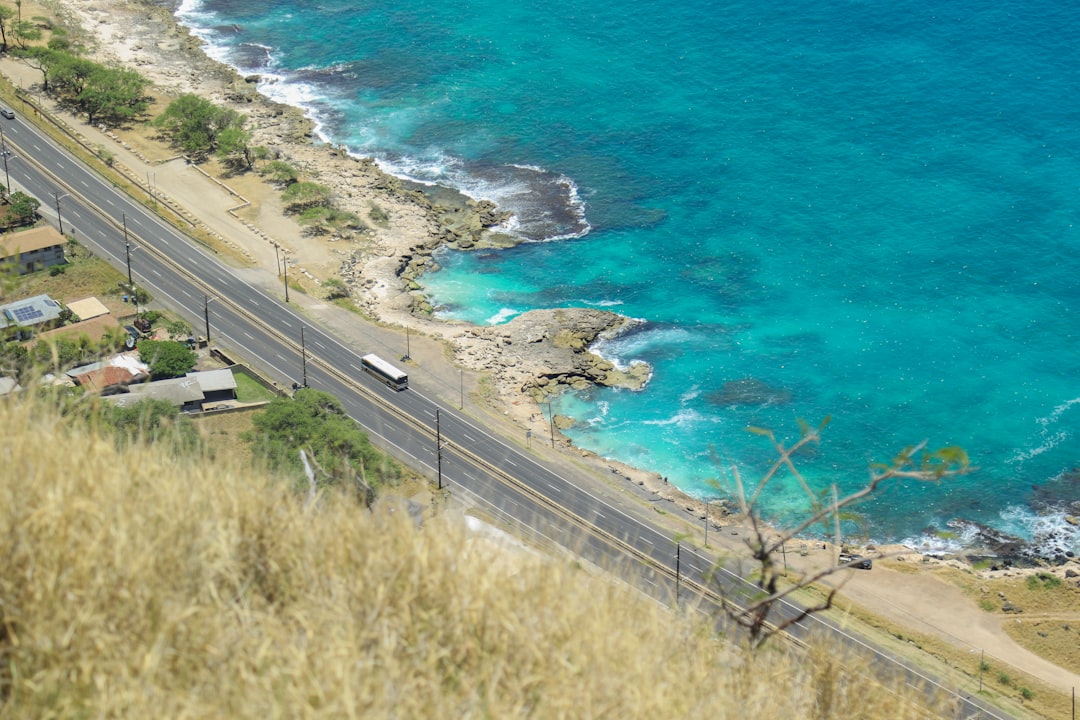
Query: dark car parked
(856, 561)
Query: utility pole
(303, 356)
(551, 423)
(678, 570)
(4, 152)
(206, 313)
(127, 251)
(438, 447)
(56, 195)
(286, 266)
(408, 347)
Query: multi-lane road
(264, 329)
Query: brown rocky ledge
(543, 352)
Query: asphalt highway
(429, 436)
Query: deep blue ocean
(861, 210)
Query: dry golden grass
(136, 584)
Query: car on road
(856, 561)
(8, 113)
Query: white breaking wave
(502, 316)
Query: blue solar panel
(27, 312)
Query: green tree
(316, 423)
(167, 359)
(178, 329)
(56, 354)
(195, 124)
(301, 196)
(113, 96)
(25, 32)
(323, 219)
(15, 360)
(335, 289)
(151, 420)
(280, 172)
(234, 147)
(6, 16)
(70, 74)
(23, 207)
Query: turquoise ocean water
(862, 210)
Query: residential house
(189, 393)
(19, 320)
(111, 376)
(32, 250)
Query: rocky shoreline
(528, 360)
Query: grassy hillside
(139, 584)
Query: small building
(33, 250)
(111, 376)
(20, 319)
(88, 308)
(217, 385)
(188, 393)
(184, 393)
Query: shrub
(1043, 581)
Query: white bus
(384, 371)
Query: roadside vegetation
(139, 582)
(200, 129)
(100, 93)
(311, 432)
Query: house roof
(88, 308)
(178, 391)
(108, 377)
(30, 240)
(213, 380)
(29, 311)
(129, 360)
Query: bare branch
(912, 463)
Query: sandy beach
(379, 263)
